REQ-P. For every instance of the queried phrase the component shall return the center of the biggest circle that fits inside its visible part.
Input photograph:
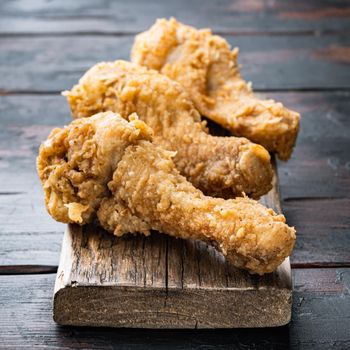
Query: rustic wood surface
(320, 317)
(120, 17)
(163, 282)
(52, 64)
(298, 47)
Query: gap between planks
(217, 32)
(49, 269)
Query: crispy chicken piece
(76, 163)
(205, 65)
(109, 166)
(219, 166)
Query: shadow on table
(124, 338)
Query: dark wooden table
(295, 51)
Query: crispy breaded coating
(76, 163)
(109, 166)
(205, 65)
(219, 166)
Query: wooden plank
(30, 248)
(30, 236)
(320, 320)
(104, 280)
(139, 294)
(322, 225)
(315, 182)
(322, 147)
(271, 62)
(124, 17)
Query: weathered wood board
(298, 61)
(123, 17)
(163, 282)
(321, 319)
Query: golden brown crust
(205, 65)
(219, 166)
(75, 163)
(133, 186)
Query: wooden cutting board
(163, 282)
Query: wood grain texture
(162, 282)
(113, 17)
(319, 321)
(30, 236)
(270, 62)
(320, 164)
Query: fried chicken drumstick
(109, 167)
(219, 166)
(204, 64)
(76, 163)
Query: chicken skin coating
(76, 163)
(219, 166)
(139, 189)
(206, 67)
